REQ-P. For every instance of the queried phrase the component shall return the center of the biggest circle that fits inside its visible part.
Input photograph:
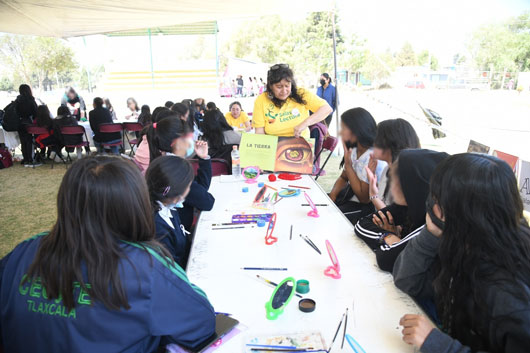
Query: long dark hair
(91, 223)
(190, 104)
(396, 135)
(362, 124)
(160, 135)
(168, 177)
(25, 90)
(42, 117)
(145, 117)
(181, 109)
(108, 104)
(485, 240)
(280, 72)
(213, 126)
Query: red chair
(108, 128)
(75, 130)
(132, 127)
(35, 131)
(330, 143)
(219, 166)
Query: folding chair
(74, 130)
(329, 143)
(108, 128)
(35, 131)
(132, 127)
(219, 166)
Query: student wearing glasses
(284, 109)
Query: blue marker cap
(261, 184)
(245, 189)
(261, 223)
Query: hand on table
(416, 328)
(201, 149)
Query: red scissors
(269, 239)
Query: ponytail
(160, 135)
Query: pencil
(271, 187)
(239, 227)
(336, 333)
(345, 325)
(281, 198)
(313, 244)
(273, 284)
(264, 268)
(299, 187)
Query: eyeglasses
(279, 66)
(269, 239)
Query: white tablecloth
(217, 256)
(9, 138)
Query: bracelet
(374, 197)
(383, 236)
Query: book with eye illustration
(277, 154)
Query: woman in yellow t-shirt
(284, 109)
(236, 117)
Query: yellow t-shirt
(282, 121)
(239, 122)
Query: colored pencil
(299, 187)
(317, 204)
(223, 228)
(264, 268)
(271, 187)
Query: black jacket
(506, 325)
(99, 116)
(26, 108)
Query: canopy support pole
(151, 58)
(87, 69)
(216, 51)
(335, 67)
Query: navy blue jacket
(165, 308)
(174, 240)
(199, 198)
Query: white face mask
(191, 147)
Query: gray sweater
(509, 317)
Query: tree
(406, 56)
(493, 47)
(35, 59)
(354, 56)
(378, 67)
(424, 57)
(6, 84)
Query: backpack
(6, 160)
(11, 119)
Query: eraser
(261, 184)
(245, 189)
(272, 177)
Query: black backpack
(11, 120)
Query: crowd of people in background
(450, 229)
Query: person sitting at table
(284, 109)
(132, 105)
(110, 108)
(393, 136)
(99, 281)
(171, 135)
(169, 180)
(219, 135)
(350, 191)
(211, 106)
(236, 117)
(192, 117)
(472, 260)
(100, 116)
(388, 231)
(168, 104)
(75, 103)
(145, 117)
(43, 119)
(65, 119)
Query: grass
(28, 200)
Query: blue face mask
(191, 148)
(179, 204)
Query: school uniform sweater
(198, 198)
(170, 232)
(504, 327)
(165, 308)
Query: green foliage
(406, 56)
(378, 67)
(6, 84)
(423, 59)
(504, 46)
(34, 59)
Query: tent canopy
(71, 18)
